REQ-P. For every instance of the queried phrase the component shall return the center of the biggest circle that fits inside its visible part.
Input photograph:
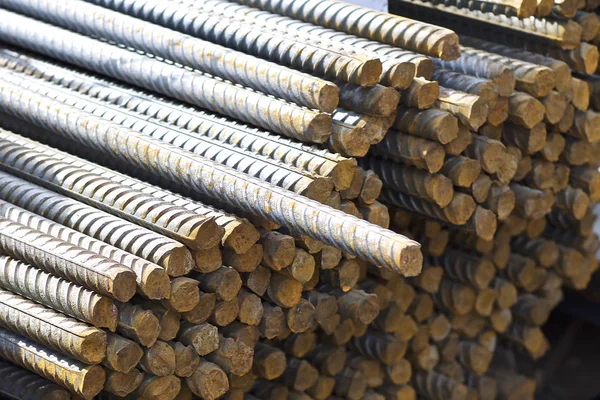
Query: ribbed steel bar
(191, 86)
(566, 34)
(357, 237)
(305, 183)
(37, 163)
(322, 59)
(20, 384)
(402, 32)
(521, 9)
(83, 380)
(53, 329)
(264, 76)
(57, 293)
(152, 280)
(171, 255)
(293, 153)
(398, 69)
(66, 260)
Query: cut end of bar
(434, 158)
(543, 83)
(92, 382)
(155, 285)
(460, 209)
(446, 128)
(328, 97)
(342, 174)
(367, 74)
(442, 190)
(399, 76)
(105, 314)
(424, 68)
(184, 294)
(319, 189)
(506, 203)
(124, 285)
(208, 234)
(163, 387)
(580, 204)
(126, 357)
(589, 54)
(427, 94)
(479, 114)
(147, 328)
(241, 238)
(411, 260)
(230, 285)
(447, 48)
(178, 262)
(93, 347)
(318, 129)
(485, 223)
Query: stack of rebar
(194, 198)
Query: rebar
(169, 254)
(350, 234)
(152, 280)
(537, 80)
(256, 165)
(458, 211)
(521, 9)
(308, 158)
(57, 293)
(470, 109)
(66, 260)
(50, 328)
(20, 384)
(566, 34)
(141, 70)
(38, 163)
(397, 64)
(84, 380)
(263, 76)
(397, 31)
(421, 153)
(412, 181)
(323, 58)
(562, 72)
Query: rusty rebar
(398, 31)
(171, 255)
(84, 380)
(293, 153)
(403, 254)
(263, 42)
(57, 293)
(68, 261)
(51, 328)
(138, 69)
(235, 66)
